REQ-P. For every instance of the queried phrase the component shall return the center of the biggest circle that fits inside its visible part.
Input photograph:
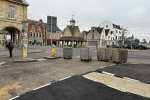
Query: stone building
(55, 37)
(13, 17)
(97, 37)
(72, 36)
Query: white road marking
(14, 98)
(42, 86)
(103, 67)
(1, 63)
(107, 73)
(131, 79)
(64, 78)
(116, 88)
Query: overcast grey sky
(131, 14)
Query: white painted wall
(108, 25)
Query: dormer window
(38, 27)
(106, 26)
(43, 28)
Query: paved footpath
(130, 86)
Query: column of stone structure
(18, 39)
(62, 43)
(77, 44)
(14, 37)
(72, 43)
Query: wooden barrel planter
(86, 54)
(67, 52)
(103, 54)
(120, 56)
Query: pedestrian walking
(6, 44)
(10, 47)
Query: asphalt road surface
(78, 88)
(139, 72)
(59, 52)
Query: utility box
(67, 52)
(120, 56)
(86, 54)
(103, 54)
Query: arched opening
(11, 33)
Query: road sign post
(51, 27)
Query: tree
(144, 41)
(136, 40)
(125, 32)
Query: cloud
(133, 14)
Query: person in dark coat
(6, 43)
(10, 47)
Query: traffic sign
(52, 46)
(51, 24)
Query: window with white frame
(38, 27)
(11, 12)
(116, 31)
(106, 26)
(43, 28)
(108, 37)
(58, 32)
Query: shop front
(35, 41)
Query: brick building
(36, 32)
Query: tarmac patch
(78, 88)
(135, 72)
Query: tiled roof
(37, 22)
(116, 26)
(99, 30)
(72, 28)
(72, 38)
(20, 1)
(72, 20)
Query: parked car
(136, 46)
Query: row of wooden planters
(102, 54)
